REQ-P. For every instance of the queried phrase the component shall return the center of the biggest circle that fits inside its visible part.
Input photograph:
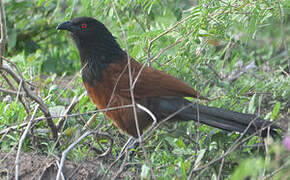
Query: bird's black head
(91, 36)
(97, 46)
(85, 30)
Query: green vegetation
(232, 51)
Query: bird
(108, 73)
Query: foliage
(231, 49)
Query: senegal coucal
(105, 75)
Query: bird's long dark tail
(217, 117)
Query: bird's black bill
(64, 26)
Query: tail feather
(216, 117)
(232, 121)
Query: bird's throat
(93, 64)
(96, 55)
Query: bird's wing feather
(150, 83)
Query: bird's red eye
(84, 26)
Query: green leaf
(40, 2)
(244, 89)
(52, 88)
(199, 157)
(145, 172)
(243, 5)
(252, 107)
(183, 169)
(56, 111)
(249, 167)
(276, 110)
(180, 143)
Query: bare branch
(283, 166)
(170, 29)
(65, 152)
(69, 109)
(132, 93)
(12, 128)
(11, 92)
(42, 106)
(235, 145)
(284, 39)
(221, 168)
(17, 160)
(20, 97)
(4, 39)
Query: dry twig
(17, 160)
(235, 145)
(132, 93)
(15, 127)
(4, 38)
(69, 109)
(284, 39)
(11, 92)
(65, 152)
(20, 80)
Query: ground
(33, 166)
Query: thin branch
(152, 128)
(210, 66)
(11, 92)
(4, 38)
(286, 164)
(150, 59)
(123, 165)
(12, 128)
(132, 94)
(118, 158)
(284, 39)
(132, 139)
(65, 152)
(172, 45)
(69, 109)
(61, 174)
(235, 145)
(70, 82)
(20, 97)
(111, 144)
(34, 97)
(169, 30)
(162, 34)
(220, 170)
(17, 160)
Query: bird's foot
(132, 143)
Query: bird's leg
(132, 142)
(148, 131)
(153, 117)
